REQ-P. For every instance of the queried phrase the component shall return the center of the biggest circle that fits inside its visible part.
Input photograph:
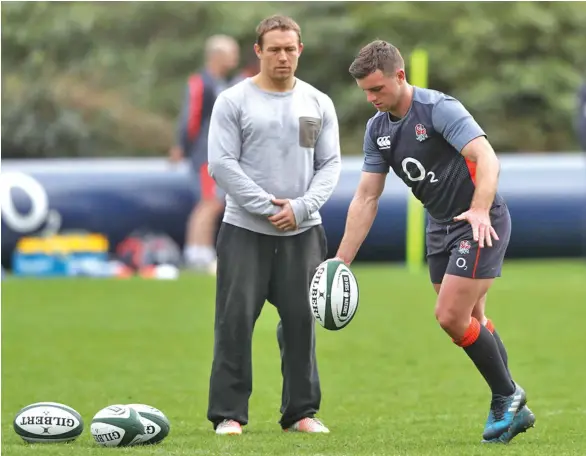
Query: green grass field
(392, 381)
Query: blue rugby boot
(524, 420)
(503, 410)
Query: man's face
(383, 91)
(230, 58)
(279, 54)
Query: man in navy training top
(221, 58)
(436, 147)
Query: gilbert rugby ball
(156, 424)
(333, 295)
(48, 422)
(117, 426)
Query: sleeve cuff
(300, 210)
(381, 169)
(460, 147)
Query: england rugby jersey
(423, 149)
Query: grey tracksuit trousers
(253, 268)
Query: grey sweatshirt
(265, 145)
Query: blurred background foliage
(99, 79)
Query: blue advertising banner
(546, 195)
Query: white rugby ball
(117, 426)
(156, 424)
(48, 422)
(333, 295)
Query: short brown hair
(276, 22)
(378, 55)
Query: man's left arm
(327, 166)
(459, 128)
(480, 151)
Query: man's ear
(401, 75)
(257, 50)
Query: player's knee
(451, 321)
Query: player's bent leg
(457, 298)
(462, 298)
(479, 313)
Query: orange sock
(489, 326)
(470, 335)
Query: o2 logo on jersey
(418, 174)
(39, 212)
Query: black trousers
(254, 268)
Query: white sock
(199, 254)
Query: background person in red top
(221, 58)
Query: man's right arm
(190, 120)
(224, 148)
(181, 147)
(364, 205)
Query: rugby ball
(48, 422)
(117, 426)
(333, 295)
(156, 424)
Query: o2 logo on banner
(38, 214)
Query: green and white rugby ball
(117, 426)
(48, 422)
(156, 424)
(333, 295)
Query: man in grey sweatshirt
(274, 149)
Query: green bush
(107, 79)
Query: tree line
(107, 79)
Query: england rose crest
(420, 132)
(464, 248)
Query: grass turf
(392, 382)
